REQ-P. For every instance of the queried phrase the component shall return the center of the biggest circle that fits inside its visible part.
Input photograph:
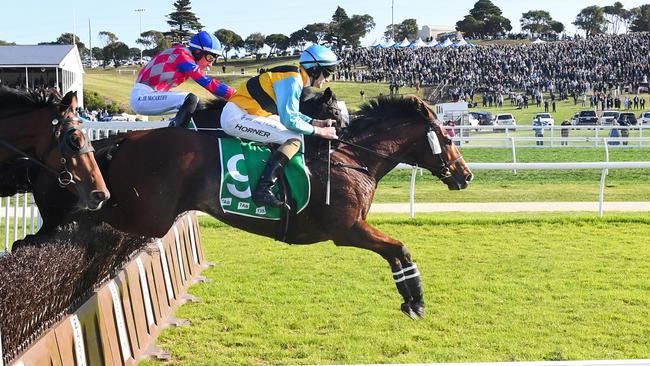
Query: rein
(440, 172)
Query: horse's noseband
(69, 148)
(444, 171)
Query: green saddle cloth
(242, 164)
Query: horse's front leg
(405, 272)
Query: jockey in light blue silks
(265, 109)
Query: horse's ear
(425, 111)
(327, 94)
(70, 99)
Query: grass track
(499, 288)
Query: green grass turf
(501, 287)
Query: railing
(550, 136)
(603, 166)
(18, 217)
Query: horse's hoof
(406, 309)
(417, 308)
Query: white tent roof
(538, 41)
(419, 43)
(433, 43)
(388, 43)
(405, 43)
(446, 43)
(375, 42)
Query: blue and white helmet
(317, 56)
(205, 42)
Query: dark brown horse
(43, 128)
(155, 175)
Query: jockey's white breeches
(146, 100)
(237, 122)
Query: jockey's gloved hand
(323, 122)
(328, 133)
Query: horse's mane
(388, 107)
(21, 99)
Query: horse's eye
(449, 142)
(75, 141)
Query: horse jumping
(155, 175)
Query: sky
(34, 21)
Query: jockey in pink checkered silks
(170, 68)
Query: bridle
(63, 130)
(443, 172)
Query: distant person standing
(553, 105)
(362, 93)
(565, 132)
(546, 106)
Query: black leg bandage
(402, 286)
(413, 281)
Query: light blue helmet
(205, 42)
(317, 56)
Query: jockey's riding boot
(186, 110)
(263, 195)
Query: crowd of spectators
(569, 68)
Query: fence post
(7, 203)
(514, 154)
(641, 135)
(601, 200)
(412, 193)
(25, 198)
(552, 128)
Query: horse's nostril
(99, 196)
(469, 177)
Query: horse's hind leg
(405, 272)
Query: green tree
(182, 20)
(557, 27)
(641, 22)
(469, 25)
(484, 8)
(298, 39)
(355, 28)
(336, 26)
(98, 54)
(134, 53)
(107, 37)
(229, 41)
(153, 41)
(277, 42)
(484, 18)
(116, 51)
(408, 28)
(316, 32)
(253, 43)
(536, 21)
(614, 16)
(591, 19)
(7, 43)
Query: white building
(42, 66)
(433, 31)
